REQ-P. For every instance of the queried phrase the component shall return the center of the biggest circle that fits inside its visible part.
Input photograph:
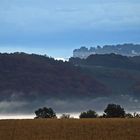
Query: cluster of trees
(111, 111)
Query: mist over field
(68, 106)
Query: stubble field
(70, 129)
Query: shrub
(65, 116)
(88, 114)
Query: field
(70, 129)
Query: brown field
(71, 129)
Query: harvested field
(70, 129)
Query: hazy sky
(56, 27)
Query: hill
(120, 73)
(35, 77)
(29, 81)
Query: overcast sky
(56, 27)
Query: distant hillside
(120, 73)
(31, 77)
(109, 60)
(31, 81)
(124, 49)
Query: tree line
(111, 111)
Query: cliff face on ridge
(124, 49)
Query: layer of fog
(26, 109)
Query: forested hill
(109, 60)
(120, 73)
(30, 77)
(28, 81)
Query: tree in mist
(129, 115)
(88, 114)
(114, 111)
(65, 116)
(45, 113)
(136, 115)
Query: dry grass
(72, 129)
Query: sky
(56, 27)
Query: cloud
(11, 107)
(46, 16)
